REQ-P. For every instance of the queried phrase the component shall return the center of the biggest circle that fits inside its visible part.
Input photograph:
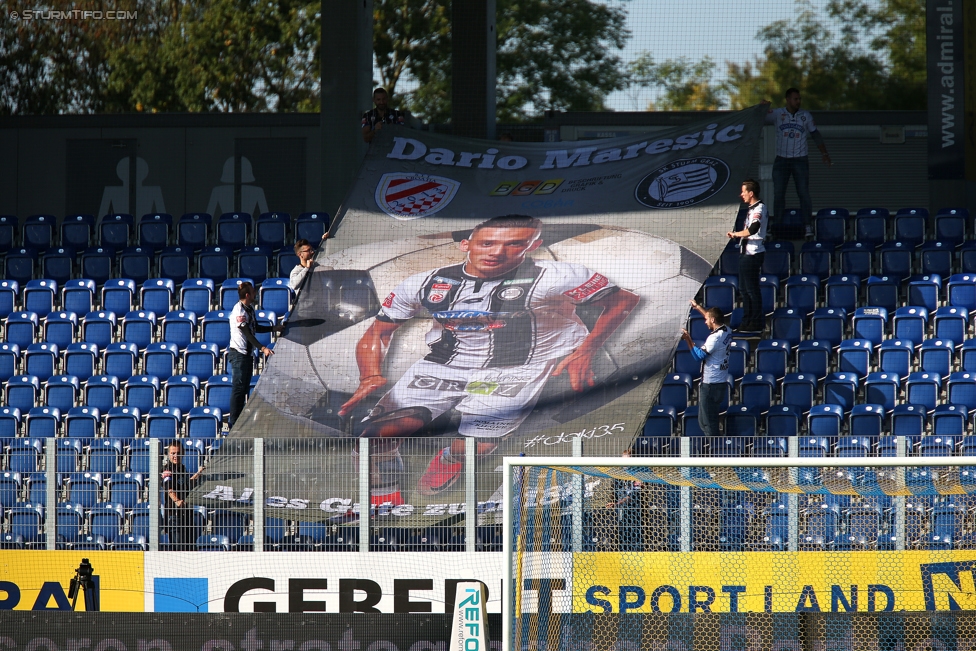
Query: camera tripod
(84, 581)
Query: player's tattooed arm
(579, 364)
(370, 352)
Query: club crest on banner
(404, 196)
(683, 182)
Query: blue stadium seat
(11, 484)
(823, 422)
(216, 328)
(923, 389)
(115, 231)
(936, 258)
(60, 328)
(266, 318)
(857, 259)
(967, 257)
(203, 423)
(312, 226)
(675, 391)
(102, 392)
(881, 388)
(38, 296)
(690, 426)
(98, 264)
(937, 356)
(81, 359)
(867, 421)
(78, 296)
(105, 455)
(842, 292)
(82, 423)
(799, 391)
(276, 295)
(9, 297)
(138, 459)
(896, 260)
(9, 361)
(769, 288)
(41, 360)
(947, 528)
(20, 265)
(896, 356)
(814, 357)
(155, 230)
(200, 360)
(165, 423)
(118, 295)
(923, 291)
(26, 521)
(967, 355)
(214, 262)
(831, 225)
(285, 261)
(720, 292)
(829, 324)
(120, 360)
(156, 295)
(211, 543)
(58, 264)
(908, 420)
(142, 392)
(125, 489)
(21, 328)
(175, 263)
(660, 423)
(181, 391)
(160, 360)
(233, 230)
(77, 231)
(193, 230)
(69, 521)
(728, 262)
(84, 488)
(841, 389)
(136, 263)
(756, 390)
(738, 358)
(882, 292)
(961, 291)
(787, 324)
(870, 225)
(43, 422)
(822, 527)
(778, 260)
(961, 389)
(910, 324)
(218, 389)
(254, 262)
(38, 232)
(696, 327)
(22, 392)
(271, 229)
(229, 292)
(139, 328)
(772, 357)
(802, 293)
(952, 225)
(855, 356)
(949, 420)
(123, 422)
(62, 391)
(105, 522)
(179, 328)
(196, 295)
(910, 225)
(816, 258)
(9, 230)
(951, 323)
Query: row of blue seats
(910, 225)
(121, 296)
(891, 258)
(128, 422)
(750, 431)
(157, 230)
(103, 392)
(806, 293)
(139, 264)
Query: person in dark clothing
(177, 483)
(374, 119)
(752, 252)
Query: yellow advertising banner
(41, 580)
(722, 582)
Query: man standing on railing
(503, 324)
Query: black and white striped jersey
(791, 131)
(527, 315)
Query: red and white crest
(406, 195)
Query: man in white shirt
(715, 370)
(752, 252)
(792, 126)
(305, 254)
(243, 344)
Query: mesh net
(701, 556)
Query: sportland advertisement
(520, 295)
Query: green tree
(684, 85)
(551, 54)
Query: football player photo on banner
(516, 295)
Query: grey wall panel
(8, 172)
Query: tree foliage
(685, 85)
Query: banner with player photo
(519, 295)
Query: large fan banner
(515, 295)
